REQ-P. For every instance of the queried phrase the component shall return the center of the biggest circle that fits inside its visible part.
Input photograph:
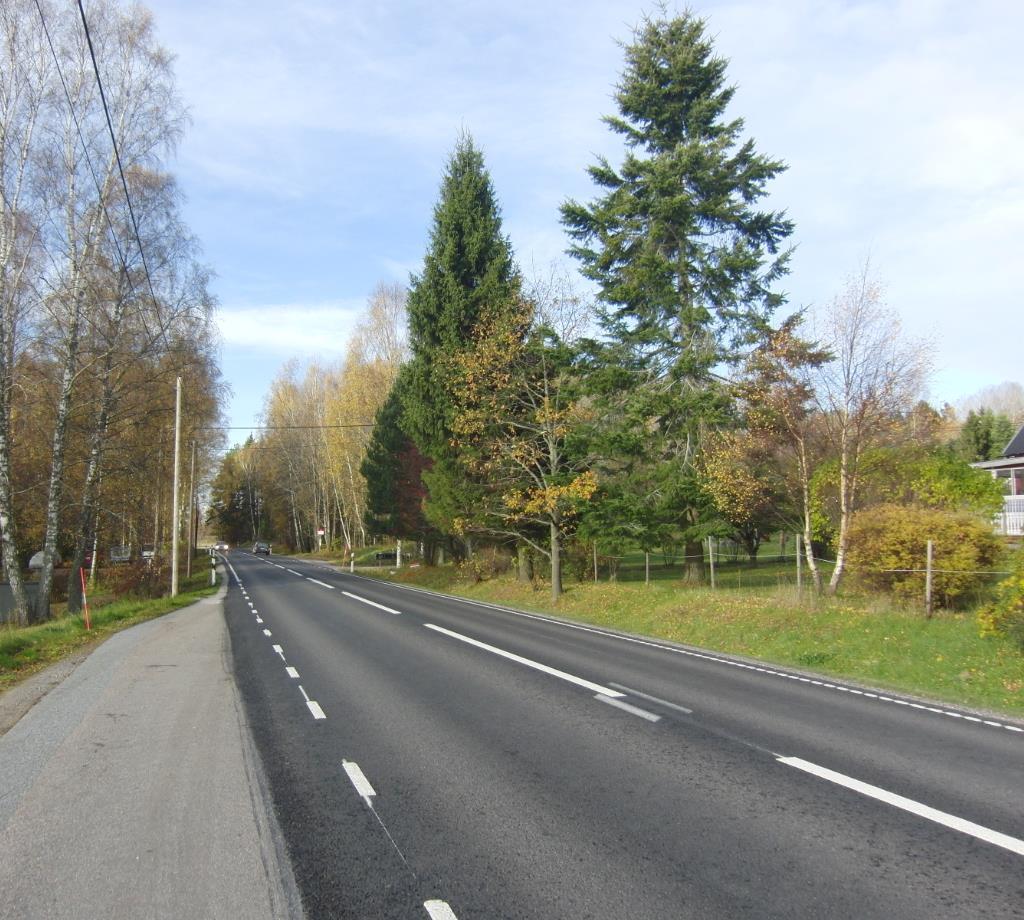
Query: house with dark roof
(1009, 470)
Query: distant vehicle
(260, 547)
(36, 562)
(221, 547)
(118, 555)
(386, 557)
(148, 552)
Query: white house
(1009, 470)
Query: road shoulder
(132, 787)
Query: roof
(1016, 446)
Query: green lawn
(25, 650)
(858, 637)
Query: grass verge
(858, 637)
(26, 650)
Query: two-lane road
(430, 757)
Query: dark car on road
(260, 547)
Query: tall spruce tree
(468, 269)
(685, 264)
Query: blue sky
(321, 128)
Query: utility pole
(191, 512)
(174, 494)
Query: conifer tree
(684, 262)
(468, 268)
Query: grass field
(25, 650)
(858, 637)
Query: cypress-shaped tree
(684, 262)
(468, 268)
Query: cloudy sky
(321, 128)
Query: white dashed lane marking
(898, 801)
(364, 600)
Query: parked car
(260, 547)
(148, 552)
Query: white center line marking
(314, 707)
(267, 632)
(295, 573)
(356, 597)
(924, 811)
(554, 672)
(280, 651)
(626, 707)
(322, 584)
(439, 910)
(652, 699)
(305, 695)
(259, 619)
(361, 783)
(292, 672)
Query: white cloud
(302, 330)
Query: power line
(279, 427)
(117, 153)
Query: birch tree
(875, 378)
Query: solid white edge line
(439, 910)
(898, 801)
(292, 672)
(554, 672)
(356, 597)
(652, 699)
(323, 584)
(314, 707)
(626, 707)
(359, 780)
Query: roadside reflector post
(928, 581)
(213, 569)
(85, 599)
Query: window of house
(1018, 480)
(1003, 476)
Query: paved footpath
(132, 790)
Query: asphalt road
(434, 758)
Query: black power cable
(117, 153)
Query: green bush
(1006, 615)
(888, 551)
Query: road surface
(435, 758)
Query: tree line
(665, 399)
(104, 300)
